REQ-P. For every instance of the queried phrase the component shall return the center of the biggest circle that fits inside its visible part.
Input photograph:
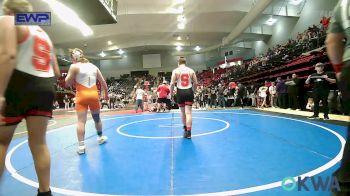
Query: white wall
(282, 30)
(260, 47)
(312, 13)
(133, 62)
(288, 27)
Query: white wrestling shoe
(81, 150)
(101, 140)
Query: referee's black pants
(321, 95)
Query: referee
(321, 81)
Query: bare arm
(8, 52)
(335, 50)
(72, 72)
(56, 69)
(103, 83)
(335, 36)
(172, 83)
(195, 81)
(335, 47)
(330, 80)
(308, 80)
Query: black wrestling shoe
(187, 134)
(44, 193)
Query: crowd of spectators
(289, 92)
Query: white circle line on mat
(172, 137)
(253, 189)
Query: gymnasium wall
(282, 30)
(288, 27)
(133, 62)
(245, 53)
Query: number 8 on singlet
(185, 79)
(41, 60)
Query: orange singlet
(87, 92)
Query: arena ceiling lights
(181, 26)
(271, 21)
(181, 18)
(180, 1)
(178, 10)
(295, 2)
(197, 48)
(120, 51)
(68, 16)
(178, 48)
(102, 54)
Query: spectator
(56, 105)
(241, 93)
(282, 95)
(112, 100)
(226, 92)
(104, 103)
(252, 95)
(293, 92)
(262, 95)
(221, 98)
(232, 88)
(66, 102)
(273, 95)
(213, 97)
(139, 98)
(325, 22)
(205, 92)
(310, 104)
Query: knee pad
(96, 117)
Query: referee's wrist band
(337, 67)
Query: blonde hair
(17, 6)
(83, 59)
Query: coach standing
(340, 59)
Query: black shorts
(28, 95)
(162, 100)
(185, 97)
